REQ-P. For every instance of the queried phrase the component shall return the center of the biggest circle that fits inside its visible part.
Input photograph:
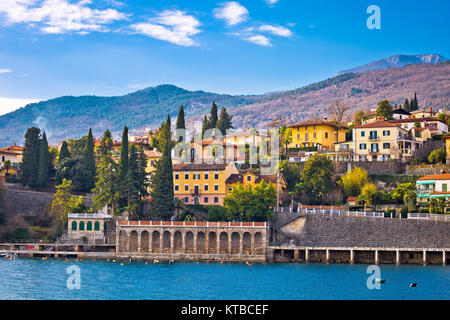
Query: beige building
(90, 227)
(382, 141)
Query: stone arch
(134, 241)
(74, 225)
(97, 226)
(259, 246)
(166, 241)
(212, 242)
(156, 241)
(235, 243)
(223, 241)
(201, 240)
(89, 226)
(81, 226)
(145, 242)
(177, 242)
(123, 241)
(189, 242)
(247, 243)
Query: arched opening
(189, 245)
(178, 241)
(134, 241)
(212, 242)
(89, 226)
(201, 239)
(74, 225)
(223, 243)
(156, 242)
(247, 243)
(259, 247)
(145, 242)
(166, 241)
(82, 226)
(123, 241)
(235, 243)
(97, 226)
(196, 200)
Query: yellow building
(320, 134)
(152, 156)
(447, 147)
(254, 179)
(13, 154)
(250, 137)
(201, 183)
(381, 141)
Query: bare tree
(337, 109)
(277, 122)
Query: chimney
(325, 119)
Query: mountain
(68, 117)
(398, 61)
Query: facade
(208, 150)
(421, 134)
(320, 134)
(13, 154)
(241, 138)
(201, 183)
(152, 156)
(254, 179)
(88, 226)
(423, 113)
(433, 186)
(400, 113)
(447, 148)
(436, 126)
(382, 141)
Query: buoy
(380, 280)
(246, 262)
(221, 262)
(207, 261)
(146, 262)
(122, 264)
(413, 285)
(114, 260)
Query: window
(374, 147)
(306, 136)
(363, 133)
(444, 187)
(249, 178)
(74, 225)
(216, 176)
(216, 199)
(386, 145)
(205, 199)
(206, 176)
(177, 176)
(186, 187)
(186, 200)
(298, 136)
(326, 135)
(82, 226)
(89, 226)
(315, 135)
(186, 176)
(216, 187)
(196, 176)
(373, 135)
(177, 187)
(386, 133)
(362, 146)
(97, 226)
(206, 187)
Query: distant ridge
(398, 61)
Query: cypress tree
(206, 125)
(415, 103)
(124, 153)
(224, 122)
(161, 184)
(180, 120)
(30, 157)
(44, 158)
(406, 105)
(89, 161)
(64, 152)
(132, 182)
(142, 175)
(213, 117)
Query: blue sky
(50, 48)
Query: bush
(217, 213)
(437, 156)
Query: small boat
(413, 285)
(380, 280)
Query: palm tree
(7, 165)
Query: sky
(52, 48)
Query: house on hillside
(433, 186)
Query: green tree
(64, 202)
(106, 144)
(7, 165)
(44, 159)
(64, 153)
(213, 116)
(206, 125)
(368, 194)
(286, 137)
(317, 177)
(217, 213)
(437, 156)
(30, 157)
(161, 185)
(124, 153)
(132, 184)
(74, 169)
(384, 110)
(433, 206)
(406, 105)
(142, 175)
(410, 200)
(353, 181)
(414, 105)
(180, 119)
(77, 146)
(89, 161)
(399, 192)
(441, 204)
(291, 174)
(224, 122)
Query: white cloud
(10, 104)
(59, 16)
(259, 40)
(232, 12)
(5, 71)
(174, 26)
(272, 2)
(276, 30)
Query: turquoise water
(37, 279)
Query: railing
(88, 216)
(191, 224)
(429, 216)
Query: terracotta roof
(319, 123)
(448, 192)
(10, 148)
(8, 152)
(207, 142)
(153, 154)
(378, 124)
(352, 198)
(415, 120)
(199, 166)
(445, 176)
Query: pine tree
(180, 120)
(224, 122)
(64, 153)
(161, 183)
(44, 158)
(30, 157)
(107, 183)
(105, 144)
(89, 161)
(406, 105)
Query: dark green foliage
(161, 184)
(180, 120)
(317, 178)
(414, 104)
(74, 169)
(217, 213)
(291, 173)
(64, 152)
(131, 182)
(384, 109)
(124, 153)
(77, 146)
(105, 144)
(406, 105)
(44, 159)
(141, 174)
(211, 121)
(89, 160)
(224, 123)
(30, 159)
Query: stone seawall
(373, 167)
(317, 230)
